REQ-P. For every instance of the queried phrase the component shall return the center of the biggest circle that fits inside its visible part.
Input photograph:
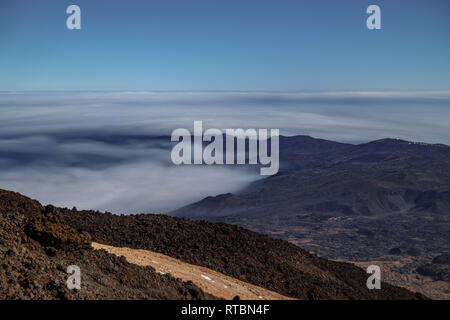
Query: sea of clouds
(111, 150)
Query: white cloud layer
(101, 150)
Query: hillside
(36, 247)
(270, 263)
(379, 201)
(36, 244)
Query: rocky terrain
(37, 244)
(383, 200)
(270, 263)
(36, 247)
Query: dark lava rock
(395, 251)
(39, 243)
(426, 270)
(442, 259)
(414, 252)
(366, 232)
(435, 271)
(274, 264)
(38, 246)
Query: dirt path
(210, 281)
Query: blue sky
(224, 45)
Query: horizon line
(234, 91)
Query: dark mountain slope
(36, 247)
(270, 263)
(335, 179)
(354, 202)
(300, 152)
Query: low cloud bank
(110, 151)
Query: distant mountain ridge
(352, 202)
(320, 176)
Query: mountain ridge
(350, 202)
(37, 242)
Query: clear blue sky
(224, 45)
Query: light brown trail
(210, 281)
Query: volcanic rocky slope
(274, 264)
(36, 247)
(38, 243)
